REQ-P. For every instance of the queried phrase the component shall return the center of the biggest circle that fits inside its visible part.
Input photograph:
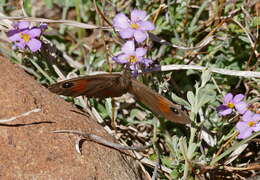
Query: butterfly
(115, 85)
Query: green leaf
(27, 4)
(49, 3)
(205, 96)
(244, 38)
(192, 148)
(167, 162)
(134, 113)
(191, 98)
(109, 107)
(102, 111)
(256, 21)
(179, 100)
(205, 77)
(2, 2)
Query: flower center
(134, 26)
(132, 59)
(251, 123)
(230, 105)
(25, 37)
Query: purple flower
(135, 27)
(22, 35)
(230, 103)
(250, 123)
(132, 56)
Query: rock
(29, 149)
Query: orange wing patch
(80, 86)
(163, 105)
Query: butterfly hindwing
(157, 103)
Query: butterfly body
(114, 85)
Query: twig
(233, 148)
(155, 171)
(247, 74)
(206, 41)
(248, 36)
(227, 143)
(150, 163)
(21, 115)
(98, 139)
(249, 167)
(64, 22)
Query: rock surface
(29, 149)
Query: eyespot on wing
(158, 104)
(67, 85)
(96, 86)
(171, 111)
(70, 87)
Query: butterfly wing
(96, 86)
(114, 85)
(157, 103)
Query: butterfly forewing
(157, 103)
(96, 86)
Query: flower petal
(23, 25)
(134, 73)
(248, 116)
(121, 59)
(126, 33)
(35, 32)
(133, 67)
(238, 98)
(20, 45)
(129, 47)
(138, 15)
(241, 126)
(34, 45)
(140, 36)
(241, 107)
(245, 134)
(13, 32)
(140, 52)
(256, 118)
(256, 128)
(121, 21)
(225, 112)
(228, 98)
(222, 107)
(147, 26)
(43, 26)
(146, 62)
(244, 130)
(15, 37)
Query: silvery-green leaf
(108, 105)
(179, 100)
(205, 95)
(205, 77)
(191, 97)
(191, 150)
(208, 138)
